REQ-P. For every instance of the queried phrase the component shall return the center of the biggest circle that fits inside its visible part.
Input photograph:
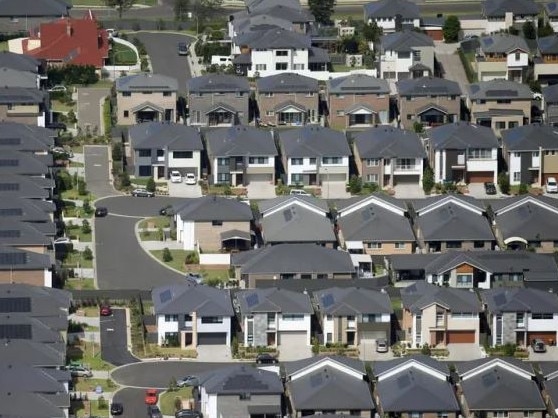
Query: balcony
(351, 324)
(237, 167)
(272, 325)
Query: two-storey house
(551, 14)
(531, 153)
(25, 262)
(287, 99)
(354, 316)
(550, 104)
(241, 155)
(218, 100)
(159, 148)
(189, 315)
(24, 105)
(463, 152)
(499, 104)
(392, 15)
(438, 316)
(24, 64)
(356, 101)
(546, 60)
(406, 54)
(388, 156)
(313, 155)
(20, 16)
(146, 98)
(430, 101)
(503, 14)
(502, 55)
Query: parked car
(266, 358)
(151, 396)
(142, 193)
(188, 381)
(187, 413)
(195, 278)
(112, 33)
(175, 176)
(57, 88)
(190, 179)
(382, 345)
(153, 411)
(490, 188)
(551, 185)
(57, 125)
(105, 310)
(299, 192)
(61, 152)
(183, 48)
(78, 370)
(101, 212)
(116, 408)
(62, 241)
(538, 346)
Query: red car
(151, 396)
(105, 310)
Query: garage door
(460, 337)
(480, 177)
(372, 335)
(546, 336)
(259, 178)
(293, 338)
(212, 338)
(333, 177)
(489, 75)
(406, 180)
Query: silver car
(382, 345)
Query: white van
(221, 60)
(299, 192)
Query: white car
(551, 185)
(57, 88)
(62, 241)
(175, 177)
(190, 179)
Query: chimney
(68, 28)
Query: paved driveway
(133, 401)
(96, 158)
(477, 191)
(451, 64)
(409, 191)
(335, 190)
(464, 352)
(90, 109)
(214, 353)
(184, 190)
(114, 343)
(261, 190)
(289, 352)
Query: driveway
(184, 190)
(409, 191)
(335, 190)
(114, 340)
(133, 401)
(96, 158)
(464, 352)
(90, 109)
(289, 352)
(449, 60)
(162, 50)
(367, 350)
(214, 353)
(261, 190)
(477, 191)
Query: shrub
(87, 254)
(82, 189)
(117, 151)
(355, 184)
(523, 189)
(85, 227)
(65, 181)
(167, 256)
(504, 183)
(151, 186)
(425, 350)
(177, 403)
(102, 403)
(192, 258)
(509, 349)
(87, 210)
(428, 180)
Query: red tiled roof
(72, 41)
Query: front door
(271, 339)
(160, 172)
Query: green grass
(73, 194)
(217, 274)
(4, 46)
(338, 68)
(89, 311)
(88, 353)
(83, 409)
(142, 182)
(167, 399)
(149, 236)
(395, 302)
(73, 212)
(123, 55)
(58, 106)
(76, 164)
(75, 231)
(178, 258)
(73, 258)
(80, 284)
(156, 222)
(107, 119)
(89, 385)
(467, 58)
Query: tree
(120, 5)
(87, 254)
(529, 30)
(167, 256)
(544, 28)
(504, 183)
(451, 29)
(427, 180)
(322, 10)
(151, 186)
(85, 227)
(371, 32)
(181, 8)
(204, 9)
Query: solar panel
(10, 259)
(10, 141)
(11, 212)
(327, 300)
(252, 300)
(245, 382)
(10, 233)
(165, 296)
(15, 331)
(9, 187)
(9, 163)
(8, 305)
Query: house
(499, 104)
(190, 315)
(16, 78)
(429, 101)
(27, 138)
(353, 316)
(240, 391)
(502, 56)
(38, 213)
(20, 70)
(291, 262)
(240, 155)
(451, 221)
(313, 155)
(463, 152)
(218, 100)
(549, 383)
(388, 156)
(415, 385)
(503, 14)
(527, 221)
(357, 100)
(24, 327)
(520, 315)
(25, 404)
(25, 236)
(406, 55)
(376, 225)
(551, 14)
(275, 317)
(494, 386)
(275, 50)
(287, 99)
(296, 219)
(392, 15)
(24, 14)
(159, 148)
(530, 153)
(546, 60)
(438, 315)
(25, 187)
(69, 41)
(17, 162)
(35, 301)
(146, 98)
(550, 104)
(334, 384)
(33, 353)
(212, 223)
(24, 105)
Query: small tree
(151, 186)
(167, 256)
(322, 10)
(87, 207)
(427, 180)
(120, 5)
(544, 28)
(82, 189)
(234, 347)
(418, 127)
(181, 8)
(504, 183)
(371, 32)
(87, 254)
(355, 184)
(173, 386)
(117, 151)
(523, 189)
(529, 30)
(71, 117)
(451, 29)
(85, 227)
(425, 350)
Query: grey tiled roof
(44, 301)
(287, 83)
(19, 95)
(285, 201)
(383, 367)
(218, 83)
(318, 55)
(433, 201)
(33, 8)
(462, 136)
(347, 204)
(273, 300)
(276, 38)
(32, 353)
(184, 298)
(28, 405)
(262, 5)
(388, 142)
(551, 8)
(548, 44)
(518, 299)
(293, 258)
(26, 210)
(550, 94)
(498, 8)
(405, 41)
(390, 8)
(16, 162)
(289, 104)
(241, 379)
(146, 82)
(23, 327)
(503, 43)
(158, 135)
(531, 138)
(343, 301)
(357, 83)
(18, 78)
(239, 141)
(428, 86)
(499, 89)
(293, 367)
(19, 62)
(15, 233)
(419, 295)
(27, 133)
(20, 378)
(214, 208)
(313, 141)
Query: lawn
(4, 46)
(76, 164)
(84, 409)
(80, 284)
(89, 311)
(142, 182)
(156, 222)
(88, 353)
(72, 211)
(123, 55)
(150, 236)
(58, 106)
(75, 231)
(178, 258)
(167, 399)
(84, 384)
(74, 258)
(73, 194)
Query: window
(310, 93)
(464, 280)
(439, 319)
(127, 93)
(513, 124)
(212, 320)
(261, 67)
(409, 116)
(126, 114)
(374, 245)
(281, 53)
(479, 153)
(268, 94)
(312, 161)
(296, 178)
(329, 337)
(269, 113)
(453, 244)
(399, 245)
(443, 415)
(516, 176)
(528, 414)
(297, 161)
(167, 94)
(217, 223)
(463, 315)
(415, 415)
(555, 243)
(281, 66)
(245, 396)
(145, 153)
(371, 318)
(503, 101)
(222, 161)
(519, 319)
(171, 318)
(332, 160)
(183, 154)
(372, 162)
(478, 244)
(542, 316)
(372, 178)
(187, 318)
(293, 317)
(416, 54)
(146, 92)
(500, 125)
(160, 153)
(239, 94)
(340, 113)
(298, 66)
(258, 160)
(481, 101)
(223, 177)
(501, 414)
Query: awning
(289, 107)
(147, 106)
(264, 409)
(222, 108)
(235, 234)
(515, 239)
(359, 109)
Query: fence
(97, 297)
(215, 259)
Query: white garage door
(334, 177)
(372, 335)
(292, 338)
(406, 180)
(259, 178)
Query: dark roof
(280, 202)
(499, 89)
(503, 43)
(380, 198)
(185, 298)
(343, 301)
(462, 136)
(498, 8)
(18, 78)
(551, 8)
(23, 327)
(17, 233)
(21, 137)
(23, 378)
(28, 405)
(158, 135)
(34, 8)
(530, 138)
(276, 38)
(548, 44)
(21, 186)
(214, 208)
(420, 295)
(17, 162)
(388, 142)
(318, 55)
(313, 141)
(146, 82)
(405, 41)
(287, 83)
(21, 95)
(239, 140)
(25, 210)
(391, 8)
(357, 83)
(218, 83)
(15, 61)
(499, 300)
(35, 301)
(550, 94)
(273, 300)
(32, 353)
(297, 366)
(428, 86)
(241, 379)
(293, 258)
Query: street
(114, 347)
(90, 109)
(97, 169)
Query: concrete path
(90, 109)
(451, 63)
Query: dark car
(153, 411)
(183, 48)
(490, 188)
(101, 212)
(142, 193)
(167, 211)
(538, 346)
(187, 413)
(116, 408)
(265, 358)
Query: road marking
(128, 216)
(110, 329)
(97, 165)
